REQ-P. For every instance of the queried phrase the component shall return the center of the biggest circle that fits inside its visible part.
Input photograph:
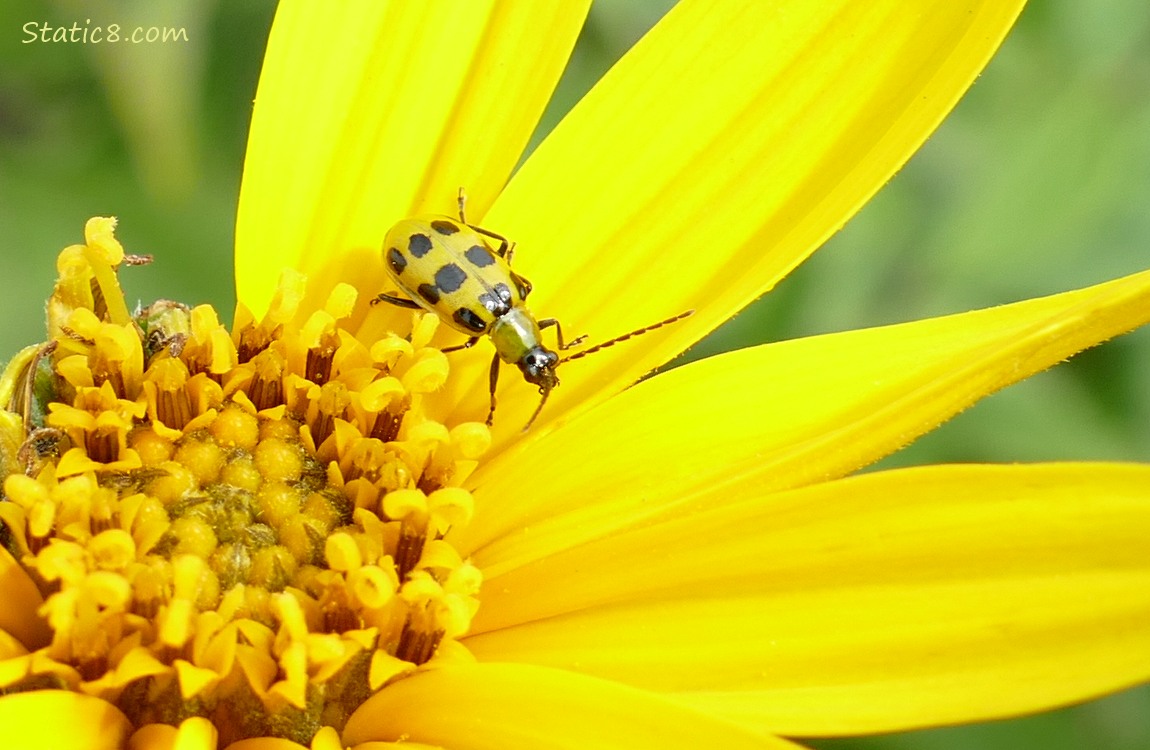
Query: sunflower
(299, 531)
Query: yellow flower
(300, 532)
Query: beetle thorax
(514, 334)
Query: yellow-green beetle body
(451, 268)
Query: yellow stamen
(239, 527)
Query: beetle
(462, 273)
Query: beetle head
(538, 368)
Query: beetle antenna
(538, 409)
(624, 337)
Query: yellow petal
(716, 156)
(499, 706)
(196, 733)
(265, 743)
(58, 718)
(892, 600)
(370, 111)
(21, 601)
(778, 416)
(400, 745)
(153, 737)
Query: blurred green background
(1038, 182)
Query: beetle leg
(523, 284)
(470, 343)
(397, 301)
(494, 381)
(506, 247)
(549, 322)
(462, 199)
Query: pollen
(243, 527)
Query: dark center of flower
(245, 526)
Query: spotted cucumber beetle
(452, 269)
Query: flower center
(244, 526)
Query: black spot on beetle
(479, 256)
(419, 245)
(444, 227)
(469, 320)
(429, 292)
(449, 278)
(396, 260)
(504, 293)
